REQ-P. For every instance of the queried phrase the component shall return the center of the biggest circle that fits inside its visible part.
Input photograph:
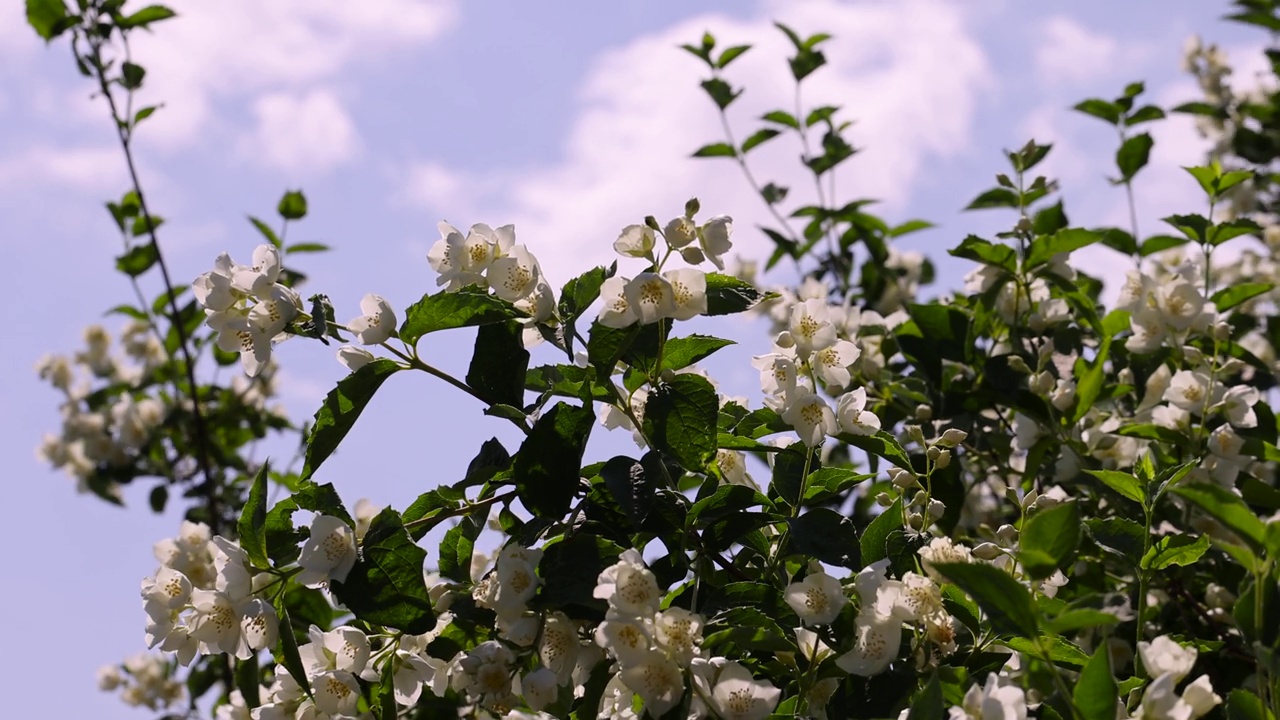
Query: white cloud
(242, 50)
(906, 73)
(1068, 51)
(88, 168)
(300, 133)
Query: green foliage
(341, 408)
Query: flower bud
(1193, 355)
(936, 509)
(1125, 376)
(933, 452)
(902, 479)
(915, 521)
(1011, 494)
(920, 498)
(667, 375)
(884, 499)
(952, 437)
(943, 459)
(784, 340)
(987, 551)
(692, 254)
(1017, 364)
(1216, 596)
(1221, 331)
(1008, 534)
(1024, 224)
(1030, 499)
(923, 413)
(1041, 383)
(915, 433)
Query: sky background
(570, 119)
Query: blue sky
(569, 119)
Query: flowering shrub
(1010, 501)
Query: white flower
(680, 232)
(615, 311)
(778, 376)
(276, 306)
(688, 292)
(811, 327)
(615, 701)
(1237, 406)
(377, 323)
(832, 363)
(343, 648)
(353, 357)
(635, 241)
(330, 552)
(626, 639)
(679, 632)
(739, 696)
(650, 297)
(657, 680)
(629, 587)
(811, 417)
(559, 649)
(238, 334)
(852, 415)
(515, 275)
(257, 278)
(1164, 655)
(992, 702)
(943, 550)
(714, 239)
(817, 599)
(876, 646)
(1189, 390)
(213, 289)
(336, 693)
(1199, 695)
(449, 256)
(539, 688)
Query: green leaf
(1230, 297)
(1146, 113)
(1049, 539)
(580, 292)
(829, 482)
(546, 468)
(882, 444)
(44, 16)
(1006, 602)
(730, 54)
(782, 118)
(1090, 379)
(386, 586)
(720, 92)
(1056, 650)
(826, 535)
(265, 230)
(1120, 536)
(758, 138)
(293, 206)
(1222, 232)
(253, 520)
(630, 486)
(139, 259)
(994, 198)
(1124, 483)
(716, 150)
(457, 547)
(468, 307)
(307, 247)
(499, 364)
(1043, 249)
(1228, 508)
(727, 294)
(928, 703)
(1175, 550)
(979, 250)
(146, 16)
(875, 539)
(683, 415)
(1158, 243)
(569, 570)
(342, 407)
(1081, 619)
(1101, 109)
(131, 75)
(1096, 693)
(1244, 705)
(685, 351)
(1133, 155)
(287, 652)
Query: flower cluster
(201, 600)
(248, 305)
(144, 680)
